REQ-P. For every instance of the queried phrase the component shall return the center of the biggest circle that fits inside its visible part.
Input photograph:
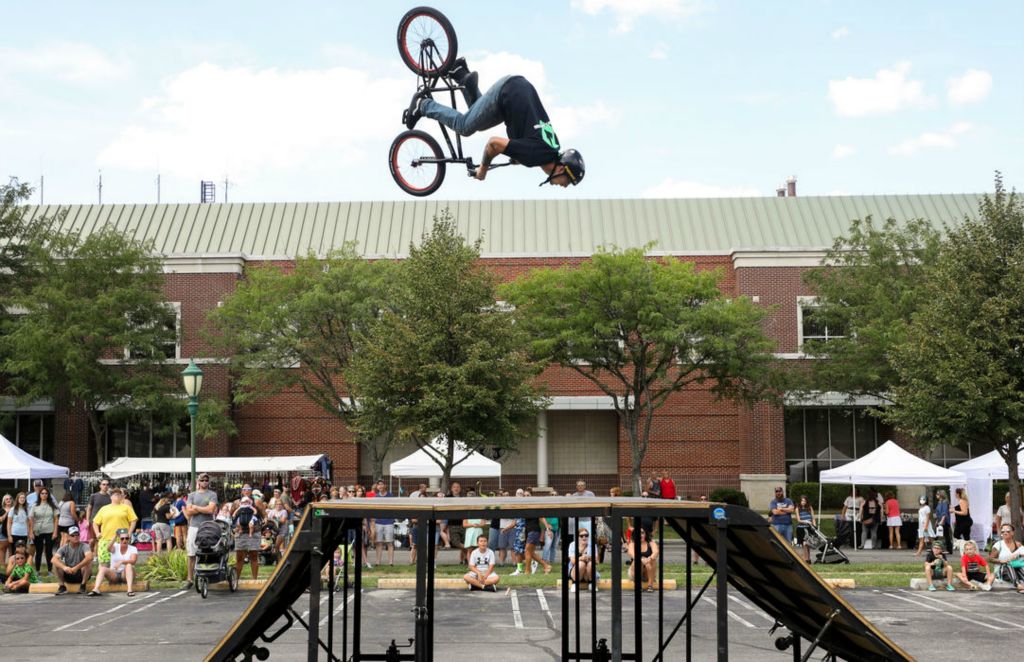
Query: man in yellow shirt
(118, 514)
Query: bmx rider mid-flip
(531, 140)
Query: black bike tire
(396, 174)
(412, 60)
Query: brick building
(763, 245)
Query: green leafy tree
(445, 359)
(297, 328)
(91, 301)
(642, 329)
(16, 235)
(961, 364)
(869, 286)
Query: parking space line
(306, 613)
(144, 596)
(142, 608)
(341, 603)
(988, 616)
(516, 615)
(736, 616)
(544, 607)
(934, 608)
(756, 610)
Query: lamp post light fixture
(192, 376)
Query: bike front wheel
(427, 41)
(410, 172)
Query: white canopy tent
(16, 464)
(124, 467)
(470, 464)
(889, 464)
(980, 473)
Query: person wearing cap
(936, 565)
(33, 498)
(200, 506)
(121, 566)
(781, 509)
(72, 563)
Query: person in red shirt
(974, 572)
(668, 487)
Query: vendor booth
(890, 464)
(16, 464)
(124, 467)
(980, 473)
(424, 463)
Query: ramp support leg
(423, 614)
(616, 589)
(722, 561)
(315, 556)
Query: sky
(300, 101)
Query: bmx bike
(429, 46)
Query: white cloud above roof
(889, 91)
(680, 188)
(931, 139)
(63, 60)
(972, 87)
(627, 12)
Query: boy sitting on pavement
(21, 575)
(975, 572)
(936, 565)
(482, 576)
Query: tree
(93, 301)
(961, 364)
(285, 329)
(445, 359)
(642, 329)
(16, 234)
(869, 286)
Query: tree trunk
(99, 434)
(1013, 464)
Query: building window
(946, 456)
(147, 439)
(819, 438)
(171, 348)
(810, 324)
(31, 432)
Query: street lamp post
(192, 376)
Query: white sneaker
(516, 573)
(533, 567)
(986, 587)
(572, 589)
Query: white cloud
(972, 87)
(842, 151)
(628, 11)
(944, 139)
(210, 118)
(66, 61)
(889, 91)
(841, 33)
(679, 188)
(659, 51)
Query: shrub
(166, 566)
(729, 495)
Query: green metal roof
(510, 228)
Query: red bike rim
(421, 177)
(405, 39)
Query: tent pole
(856, 514)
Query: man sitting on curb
(123, 556)
(73, 563)
(482, 576)
(22, 574)
(936, 565)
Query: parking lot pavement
(521, 624)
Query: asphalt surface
(522, 624)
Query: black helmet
(571, 160)
(574, 165)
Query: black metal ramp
(736, 542)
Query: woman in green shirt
(42, 528)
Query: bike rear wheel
(413, 176)
(427, 41)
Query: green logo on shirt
(547, 134)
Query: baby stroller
(826, 550)
(213, 542)
(268, 556)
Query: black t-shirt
(532, 141)
(162, 514)
(533, 525)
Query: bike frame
(444, 83)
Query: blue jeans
(785, 530)
(483, 114)
(550, 547)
